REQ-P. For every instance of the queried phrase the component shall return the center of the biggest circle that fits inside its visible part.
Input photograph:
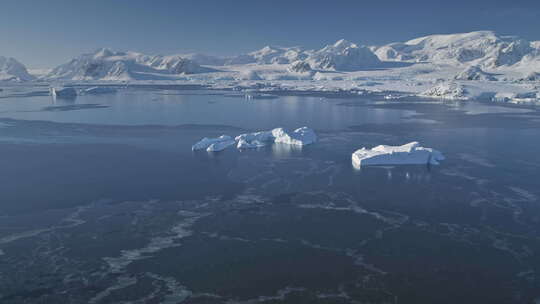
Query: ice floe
(408, 154)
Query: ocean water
(103, 201)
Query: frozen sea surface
(103, 201)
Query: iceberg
(213, 144)
(262, 136)
(254, 140)
(300, 137)
(220, 145)
(254, 144)
(408, 154)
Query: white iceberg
(99, 90)
(262, 136)
(408, 154)
(220, 146)
(300, 137)
(213, 144)
(253, 144)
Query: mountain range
(481, 50)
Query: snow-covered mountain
(481, 56)
(474, 73)
(270, 55)
(203, 59)
(343, 56)
(483, 48)
(106, 64)
(12, 70)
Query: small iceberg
(408, 154)
(63, 92)
(254, 140)
(98, 90)
(300, 137)
(214, 144)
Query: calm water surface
(103, 201)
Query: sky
(43, 34)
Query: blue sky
(43, 33)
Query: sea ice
(408, 154)
(217, 144)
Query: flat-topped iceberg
(214, 144)
(408, 154)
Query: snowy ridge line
(478, 65)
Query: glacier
(407, 154)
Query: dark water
(103, 201)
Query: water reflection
(280, 150)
